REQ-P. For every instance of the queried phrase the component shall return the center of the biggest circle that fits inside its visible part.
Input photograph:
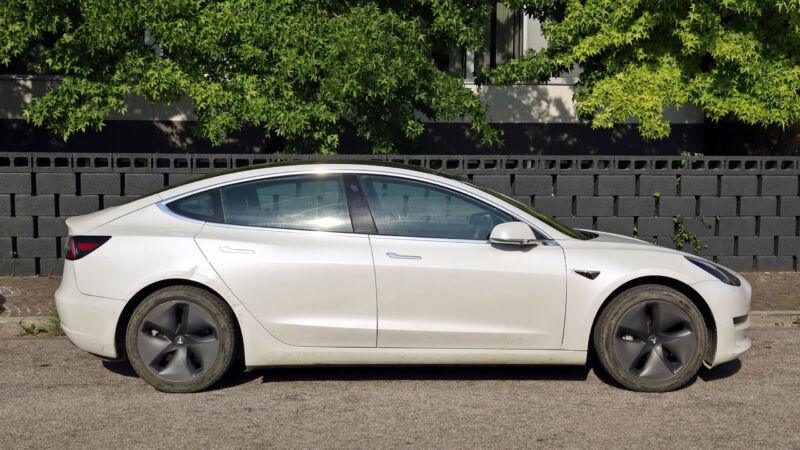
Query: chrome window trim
(359, 171)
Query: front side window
(304, 202)
(402, 207)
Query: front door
(441, 284)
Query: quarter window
(305, 202)
(402, 207)
(203, 206)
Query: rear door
(287, 250)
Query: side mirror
(513, 233)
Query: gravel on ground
(53, 395)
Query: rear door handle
(227, 249)
(396, 256)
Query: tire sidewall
(218, 311)
(605, 330)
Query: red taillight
(79, 246)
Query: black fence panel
(744, 211)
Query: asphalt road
(53, 395)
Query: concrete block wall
(746, 210)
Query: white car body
(318, 297)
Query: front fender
(585, 297)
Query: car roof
(304, 162)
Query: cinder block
(575, 185)
(554, 206)
(777, 226)
(31, 247)
(618, 225)
(774, 263)
(178, 178)
(595, 206)
(739, 185)
(778, 185)
(531, 185)
(656, 226)
(6, 266)
(23, 267)
(665, 241)
(698, 185)
(100, 183)
(5, 248)
(115, 200)
(52, 226)
(51, 266)
(662, 184)
(790, 206)
(636, 206)
(673, 206)
(5, 205)
(577, 222)
(16, 226)
(616, 184)
(500, 183)
(717, 206)
(752, 245)
(704, 227)
(717, 246)
(55, 183)
(524, 199)
(16, 183)
(34, 205)
(737, 226)
(76, 205)
(737, 263)
(758, 206)
(145, 183)
(789, 245)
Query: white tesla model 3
(320, 263)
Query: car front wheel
(651, 338)
(181, 339)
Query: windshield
(571, 232)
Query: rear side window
(204, 206)
(304, 202)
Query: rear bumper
(728, 303)
(89, 322)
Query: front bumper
(727, 303)
(89, 322)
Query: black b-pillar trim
(357, 204)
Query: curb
(10, 326)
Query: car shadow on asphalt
(721, 371)
(238, 375)
(438, 373)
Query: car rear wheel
(651, 338)
(181, 339)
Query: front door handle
(396, 256)
(227, 249)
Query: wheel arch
(679, 286)
(136, 299)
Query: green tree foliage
(304, 70)
(731, 58)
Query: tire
(651, 338)
(181, 339)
